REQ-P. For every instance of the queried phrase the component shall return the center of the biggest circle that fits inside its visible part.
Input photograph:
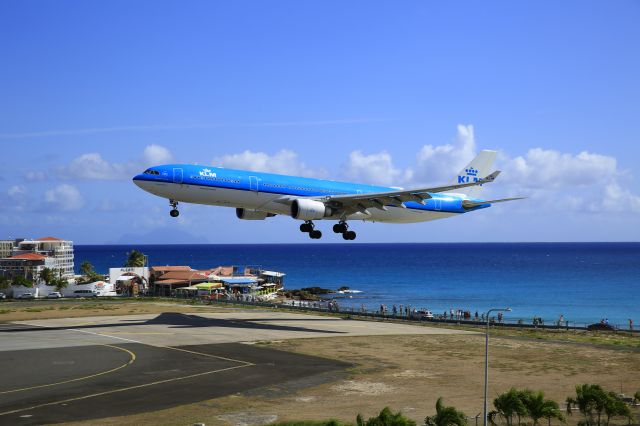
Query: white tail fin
(477, 169)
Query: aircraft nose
(138, 180)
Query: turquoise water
(585, 282)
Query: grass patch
(5, 311)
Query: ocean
(584, 282)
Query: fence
(412, 316)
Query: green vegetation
(524, 403)
(594, 403)
(135, 258)
(509, 405)
(636, 397)
(60, 283)
(4, 283)
(386, 418)
(314, 423)
(446, 416)
(22, 281)
(89, 274)
(540, 408)
(47, 275)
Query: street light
(486, 359)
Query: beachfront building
(26, 265)
(59, 252)
(6, 248)
(228, 280)
(129, 281)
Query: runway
(84, 368)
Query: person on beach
(630, 324)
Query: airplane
(257, 196)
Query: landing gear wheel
(315, 234)
(174, 213)
(340, 228)
(349, 235)
(306, 227)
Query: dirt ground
(19, 311)
(409, 373)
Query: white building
(61, 251)
(129, 281)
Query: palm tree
(509, 404)
(446, 416)
(591, 401)
(386, 418)
(135, 259)
(540, 408)
(86, 269)
(47, 275)
(614, 406)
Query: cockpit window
(151, 172)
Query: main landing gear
(174, 211)
(308, 227)
(342, 228)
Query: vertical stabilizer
(478, 168)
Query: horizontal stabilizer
(471, 204)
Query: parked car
(3, 296)
(27, 295)
(54, 295)
(85, 293)
(424, 314)
(602, 326)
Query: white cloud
(15, 198)
(542, 168)
(374, 168)
(441, 163)
(92, 166)
(617, 199)
(63, 198)
(16, 191)
(283, 162)
(35, 175)
(154, 155)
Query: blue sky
(396, 93)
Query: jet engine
(246, 214)
(305, 209)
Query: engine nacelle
(246, 214)
(305, 209)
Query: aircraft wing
(467, 204)
(351, 203)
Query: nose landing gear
(174, 211)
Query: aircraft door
(253, 183)
(177, 175)
(438, 204)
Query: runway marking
(131, 360)
(159, 382)
(167, 347)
